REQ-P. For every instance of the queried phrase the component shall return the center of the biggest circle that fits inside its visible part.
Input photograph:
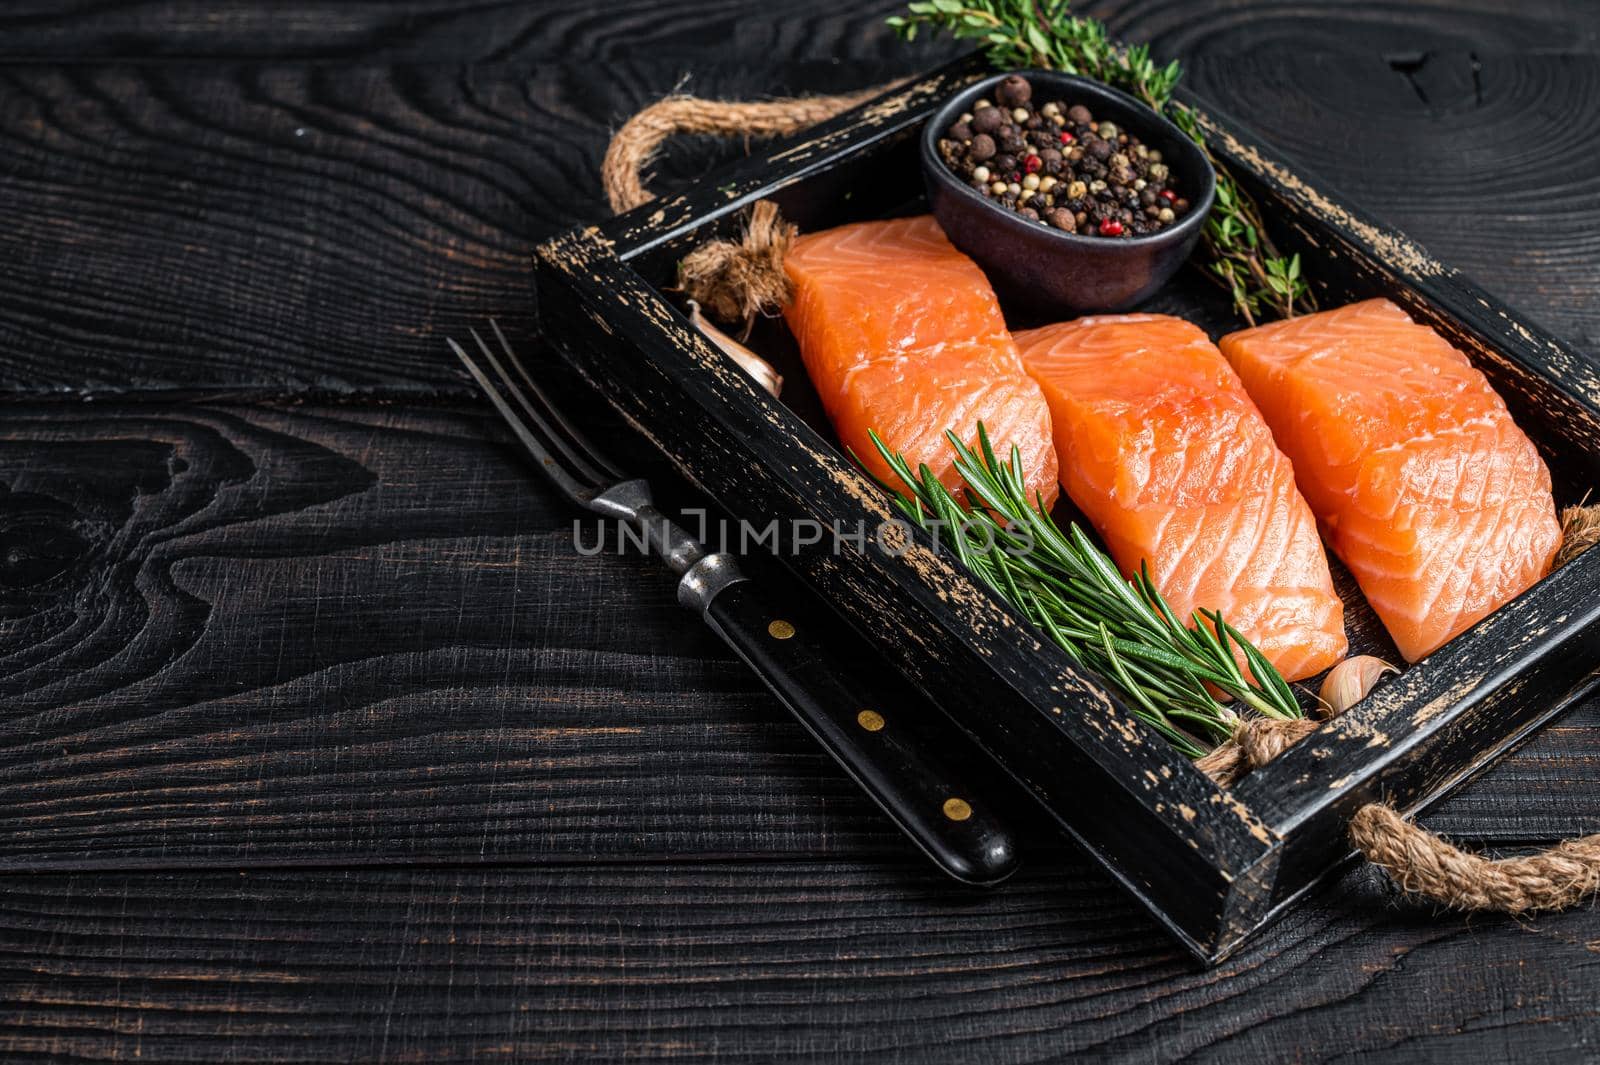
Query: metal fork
(866, 722)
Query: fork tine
(591, 453)
(564, 479)
(577, 452)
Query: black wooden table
(318, 740)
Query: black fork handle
(867, 725)
(867, 729)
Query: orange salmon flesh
(901, 333)
(1425, 487)
(1164, 452)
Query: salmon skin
(901, 334)
(1425, 487)
(1162, 450)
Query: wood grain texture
(290, 228)
(823, 962)
(434, 31)
(311, 214)
(431, 31)
(168, 231)
(256, 634)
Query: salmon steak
(902, 335)
(1163, 451)
(1425, 487)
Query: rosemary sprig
(1122, 629)
(1044, 33)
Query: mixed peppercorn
(1059, 166)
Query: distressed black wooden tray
(1211, 864)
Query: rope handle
(734, 280)
(1422, 864)
(634, 146)
(744, 278)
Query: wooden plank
(1364, 130)
(242, 635)
(310, 630)
(1244, 27)
(820, 30)
(289, 227)
(1546, 790)
(327, 31)
(315, 228)
(204, 969)
(824, 962)
(292, 227)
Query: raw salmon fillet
(1162, 450)
(1425, 487)
(901, 334)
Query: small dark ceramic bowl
(1063, 273)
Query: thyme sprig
(1045, 34)
(1123, 629)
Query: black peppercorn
(1058, 166)
(1014, 91)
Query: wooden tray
(1211, 864)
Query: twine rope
(737, 280)
(740, 279)
(635, 145)
(734, 280)
(1254, 743)
(1580, 530)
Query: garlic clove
(1351, 680)
(753, 364)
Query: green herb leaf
(1062, 582)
